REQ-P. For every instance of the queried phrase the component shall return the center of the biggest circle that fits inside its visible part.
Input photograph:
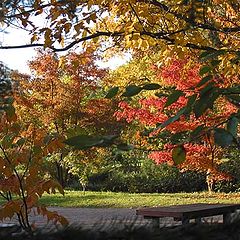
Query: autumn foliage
(187, 123)
(41, 110)
(202, 154)
(22, 150)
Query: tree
(206, 25)
(22, 181)
(200, 151)
(206, 28)
(63, 96)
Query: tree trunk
(60, 174)
(210, 181)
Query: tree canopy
(205, 25)
(205, 29)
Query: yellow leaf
(7, 211)
(144, 45)
(78, 27)
(67, 27)
(84, 34)
(135, 36)
(47, 37)
(61, 62)
(34, 38)
(62, 41)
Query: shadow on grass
(81, 200)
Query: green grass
(127, 200)
(133, 200)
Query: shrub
(230, 166)
(149, 178)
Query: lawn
(128, 200)
(133, 200)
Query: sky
(17, 59)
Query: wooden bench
(186, 212)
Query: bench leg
(185, 221)
(155, 222)
(198, 220)
(227, 218)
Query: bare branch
(159, 35)
(191, 21)
(69, 46)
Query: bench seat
(189, 211)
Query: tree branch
(190, 21)
(160, 35)
(69, 46)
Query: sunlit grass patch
(133, 200)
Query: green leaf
(222, 137)
(179, 155)
(131, 90)
(10, 111)
(173, 119)
(232, 126)
(208, 95)
(83, 141)
(234, 99)
(204, 80)
(7, 140)
(160, 94)
(211, 55)
(191, 100)
(204, 70)
(151, 86)
(215, 63)
(75, 131)
(232, 90)
(173, 97)
(178, 137)
(86, 141)
(205, 102)
(9, 100)
(204, 54)
(190, 103)
(195, 133)
(20, 142)
(112, 92)
(36, 150)
(125, 147)
(108, 139)
(209, 87)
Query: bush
(230, 166)
(149, 178)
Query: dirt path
(90, 216)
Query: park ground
(89, 208)
(133, 200)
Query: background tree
(202, 155)
(63, 96)
(209, 29)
